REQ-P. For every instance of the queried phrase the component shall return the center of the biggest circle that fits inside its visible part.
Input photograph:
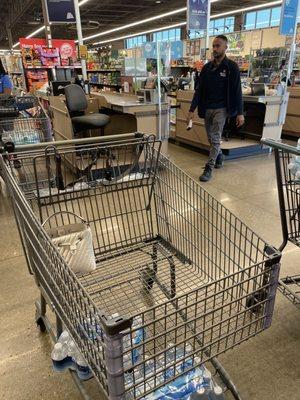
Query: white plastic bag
(75, 244)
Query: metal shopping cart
(23, 122)
(198, 280)
(288, 184)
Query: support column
(47, 24)
(238, 22)
(79, 36)
(10, 38)
(207, 32)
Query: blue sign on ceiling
(289, 17)
(197, 14)
(61, 11)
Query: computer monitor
(58, 87)
(258, 89)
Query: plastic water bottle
(201, 394)
(79, 364)
(133, 356)
(294, 165)
(64, 338)
(218, 393)
(60, 358)
(207, 378)
(83, 370)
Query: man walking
(218, 96)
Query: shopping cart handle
(275, 144)
(114, 325)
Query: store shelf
(16, 73)
(104, 70)
(105, 84)
(56, 67)
(181, 66)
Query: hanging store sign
(236, 42)
(198, 14)
(288, 20)
(61, 11)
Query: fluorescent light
(141, 33)
(270, 4)
(40, 29)
(141, 22)
(257, 7)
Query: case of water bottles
(23, 121)
(179, 279)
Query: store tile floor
(266, 367)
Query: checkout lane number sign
(289, 17)
(61, 11)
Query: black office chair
(76, 102)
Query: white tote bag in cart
(75, 243)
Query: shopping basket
(168, 254)
(288, 184)
(22, 122)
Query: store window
(135, 41)
(196, 34)
(275, 16)
(216, 27)
(168, 35)
(262, 18)
(250, 20)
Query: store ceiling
(25, 16)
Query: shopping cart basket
(289, 202)
(22, 122)
(168, 254)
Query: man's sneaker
(219, 161)
(205, 177)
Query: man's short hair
(223, 37)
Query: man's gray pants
(214, 124)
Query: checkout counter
(292, 122)
(127, 114)
(262, 119)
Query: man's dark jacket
(234, 90)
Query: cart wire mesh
(287, 158)
(175, 268)
(23, 121)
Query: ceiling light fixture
(141, 22)
(41, 28)
(140, 33)
(179, 11)
(270, 4)
(250, 8)
(81, 3)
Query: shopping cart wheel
(41, 324)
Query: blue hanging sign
(176, 50)
(149, 50)
(61, 11)
(197, 14)
(288, 20)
